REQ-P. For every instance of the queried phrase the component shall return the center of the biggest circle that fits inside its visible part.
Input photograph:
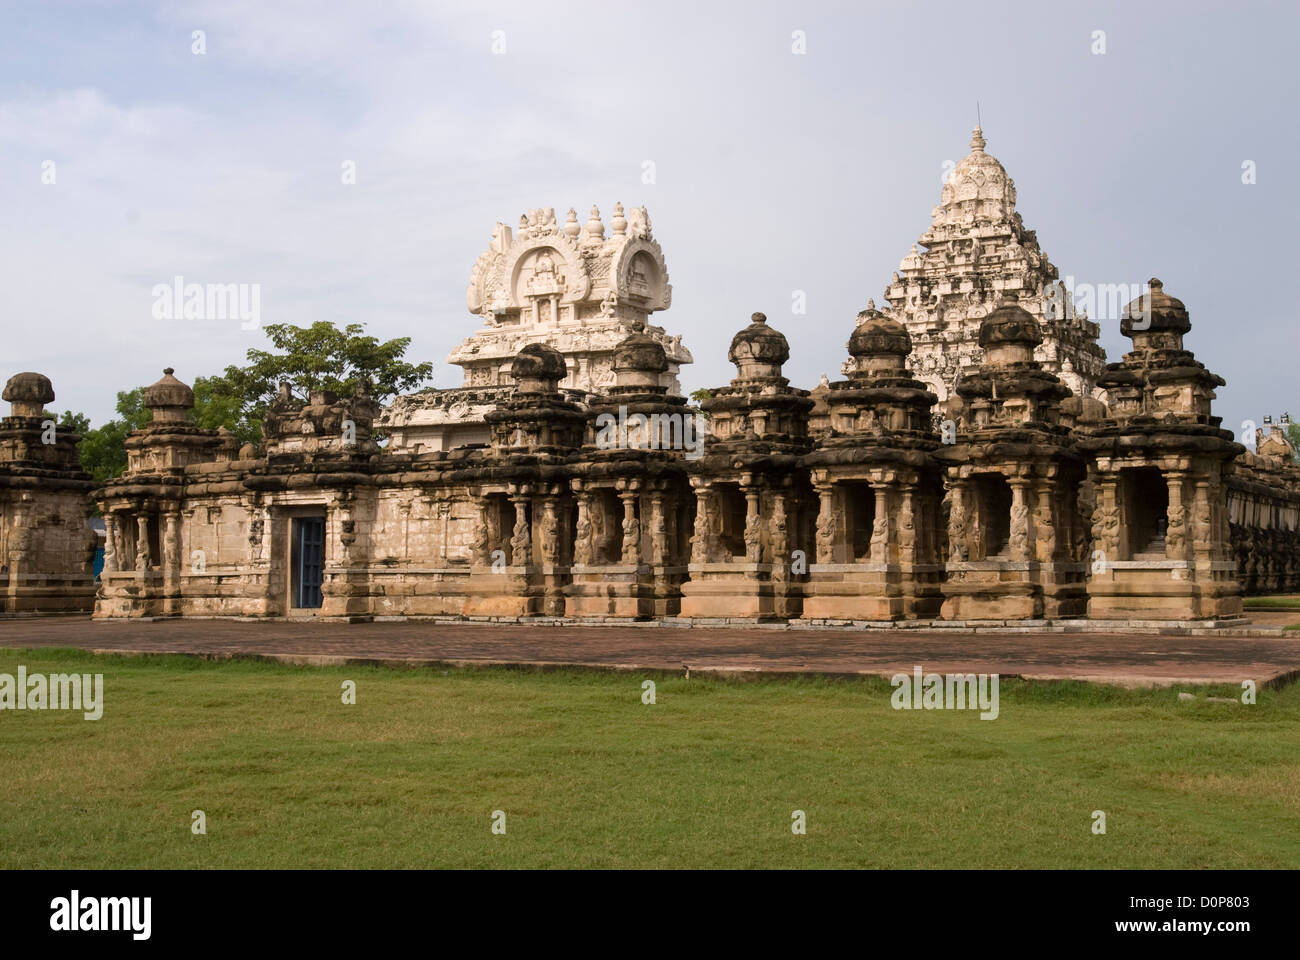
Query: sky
(128, 158)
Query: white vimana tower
(976, 252)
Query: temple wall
(1263, 507)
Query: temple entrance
(860, 507)
(732, 510)
(1146, 502)
(993, 505)
(308, 561)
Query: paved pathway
(1128, 659)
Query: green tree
(699, 396)
(103, 449)
(319, 357)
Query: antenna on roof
(978, 122)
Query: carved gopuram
(752, 503)
(574, 288)
(878, 487)
(46, 546)
(1016, 543)
(1159, 464)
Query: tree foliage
(319, 357)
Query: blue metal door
(309, 560)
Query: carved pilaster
(826, 523)
(780, 537)
(521, 541)
(1021, 528)
(550, 530)
(753, 525)
(631, 527)
(880, 524)
(143, 561)
(1044, 526)
(582, 541)
(702, 536)
(907, 528)
(658, 529)
(110, 543)
(480, 547)
(1176, 514)
(1105, 520)
(958, 547)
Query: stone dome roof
(1010, 323)
(168, 392)
(759, 342)
(978, 185)
(1166, 313)
(640, 352)
(537, 361)
(878, 334)
(29, 388)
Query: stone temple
(569, 477)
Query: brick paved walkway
(1128, 659)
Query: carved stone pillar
(1105, 520)
(1045, 533)
(143, 561)
(753, 524)
(1176, 527)
(1202, 520)
(171, 550)
(780, 537)
(550, 530)
(658, 529)
(582, 544)
(631, 527)
(521, 540)
(958, 547)
(826, 523)
(880, 524)
(110, 543)
(702, 537)
(1021, 533)
(481, 546)
(907, 528)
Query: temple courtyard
(1266, 651)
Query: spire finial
(977, 141)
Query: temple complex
(574, 288)
(978, 463)
(45, 543)
(1038, 506)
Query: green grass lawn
(589, 776)
(1281, 602)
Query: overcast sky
(774, 171)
